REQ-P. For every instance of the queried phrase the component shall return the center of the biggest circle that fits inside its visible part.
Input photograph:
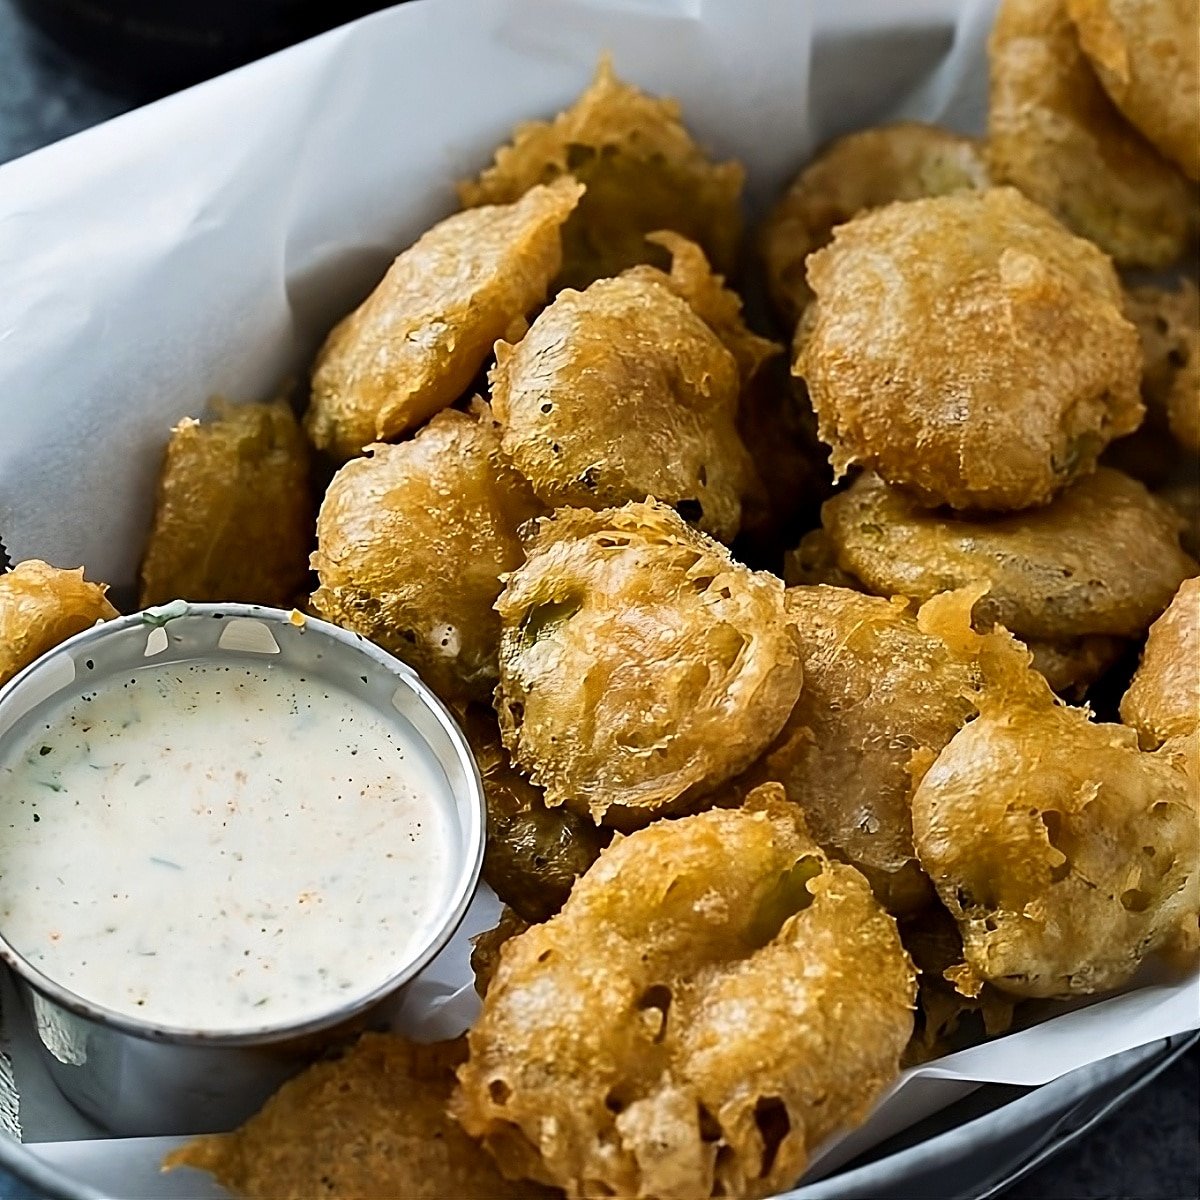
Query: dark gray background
(1149, 1150)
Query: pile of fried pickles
(784, 683)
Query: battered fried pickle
(1169, 325)
(621, 392)
(411, 543)
(41, 606)
(1184, 498)
(640, 666)
(486, 947)
(414, 345)
(715, 998)
(880, 700)
(643, 173)
(1065, 853)
(234, 513)
(860, 171)
(1146, 53)
(968, 348)
(1103, 558)
(1163, 701)
(1054, 133)
(373, 1123)
(814, 561)
(1071, 665)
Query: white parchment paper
(205, 245)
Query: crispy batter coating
(1146, 53)
(954, 1009)
(1065, 853)
(1103, 558)
(863, 170)
(370, 1124)
(716, 997)
(1169, 325)
(1163, 701)
(880, 700)
(643, 173)
(534, 854)
(414, 345)
(621, 392)
(968, 348)
(234, 513)
(1054, 133)
(41, 606)
(640, 666)
(814, 561)
(1071, 665)
(411, 543)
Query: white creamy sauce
(220, 845)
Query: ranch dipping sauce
(220, 845)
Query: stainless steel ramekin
(136, 1077)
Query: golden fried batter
(414, 345)
(1103, 558)
(968, 348)
(1146, 53)
(621, 392)
(1163, 701)
(234, 514)
(640, 666)
(814, 561)
(1169, 325)
(411, 543)
(41, 606)
(860, 171)
(643, 173)
(1065, 853)
(880, 699)
(371, 1124)
(1184, 498)
(714, 1000)
(1054, 133)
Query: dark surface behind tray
(1149, 1150)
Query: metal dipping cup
(138, 1078)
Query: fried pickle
(880, 700)
(715, 998)
(640, 666)
(621, 392)
(1066, 854)
(860, 171)
(1146, 53)
(1054, 133)
(415, 344)
(1184, 498)
(486, 947)
(234, 513)
(814, 561)
(412, 541)
(1163, 701)
(643, 173)
(1071, 665)
(968, 348)
(1169, 325)
(1102, 558)
(41, 606)
(372, 1123)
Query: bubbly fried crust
(640, 666)
(1169, 325)
(412, 541)
(234, 512)
(1163, 701)
(715, 998)
(1054, 133)
(41, 606)
(1065, 853)
(621, 392)
(880, 700)
(414, 345)
(861, 171)
(968, 348)
(1146, 53)
(1102, 558)
(643, 173)
(372, 1123)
